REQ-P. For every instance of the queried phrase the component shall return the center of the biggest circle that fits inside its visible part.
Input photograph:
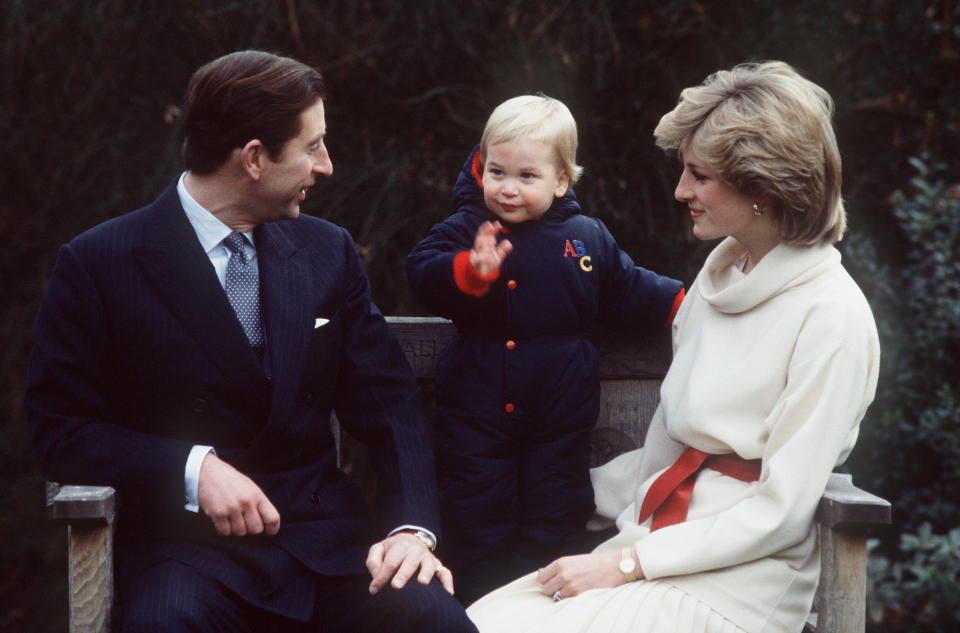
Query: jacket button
(200, 405)
(315, 498)
(512, 284)
(511, 344)
(509, 407)
(308, 397)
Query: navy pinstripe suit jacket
(138, 356)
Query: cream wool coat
(778, 365)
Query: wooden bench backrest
(631, 369)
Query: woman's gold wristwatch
(627, 564)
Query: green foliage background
(90, 95)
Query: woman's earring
(757, 210)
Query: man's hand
(233, 502)
(488, 253)
(572, 575)
(397, 558)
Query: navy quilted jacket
(565, 274)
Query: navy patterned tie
(243, 288)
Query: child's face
(521, 178)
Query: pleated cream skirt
(635, 607)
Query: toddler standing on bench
(524, 276)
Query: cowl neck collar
(784, 267)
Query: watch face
(627, 565)
(425, 539)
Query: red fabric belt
(668, 498)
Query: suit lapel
(286, 285)
(175, 263)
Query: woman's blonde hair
(767, 131)
(536, 117)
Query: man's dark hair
(244, 96)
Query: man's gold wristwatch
(627, 564)
(424, 538)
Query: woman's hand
(489, 252)
(572, 575)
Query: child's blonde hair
(536, 117)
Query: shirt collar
(209, 229)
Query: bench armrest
(848, 508)
(89, 512)
(82, 504)
(845, 516)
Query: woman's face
(717, 209)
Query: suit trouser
(172, 596)
(515, 494)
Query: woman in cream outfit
(775, 362)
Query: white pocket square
(320, 322)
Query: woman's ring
(557, 597)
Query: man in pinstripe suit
(190, 354)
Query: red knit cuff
(468, 280)
(677, 300)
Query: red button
(511, 344)
(511, 284)
(509, 407)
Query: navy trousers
(171, 596)
(515, 492)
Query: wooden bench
(631, 369)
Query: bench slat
(623, 355)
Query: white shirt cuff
(431, 535)
(191, 476)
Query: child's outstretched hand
(489, 252)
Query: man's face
(284, 182)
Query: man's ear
(252, 158)
(563, 183)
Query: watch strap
(628, 568)
(425, 538)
